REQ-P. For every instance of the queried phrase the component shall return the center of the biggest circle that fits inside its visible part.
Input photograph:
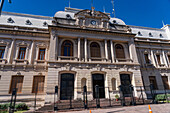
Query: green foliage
(117, 96)
(162, 97)
(4, 106)
(20, 106)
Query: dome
(117, 21)
(63, 14)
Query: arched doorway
(98, 79)
(125, 83)
(67, 86)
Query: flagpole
(1, 5)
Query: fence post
(97, 96)
(122, 95)
(56, 92)
(109, 97)
(132, 96)
(70, 102)
(142, 94)
(152, 93)
(13, 98)
(85, 96)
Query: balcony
(70, 58)
(20, 61)
(97, 59)
(123, 60)
(2, 61)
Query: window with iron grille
(165, 82)
(169, 58)
(147, 58)
(38, 84)
(16, 82)
(119, 51)
(152, 80)
(22, 51)
(41, 54)
(95, 50)
(158, 59)
(2, 51)
(67, 48)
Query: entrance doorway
(98, 79)
(67, 86)
(125, 83)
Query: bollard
(150, 111)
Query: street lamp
(2, 3)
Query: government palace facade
(78, 48)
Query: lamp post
(2, 3)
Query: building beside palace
(77, 48)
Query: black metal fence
(128, 95)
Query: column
(153, 59)
(112, 52)
(31, 52)
(156, 61)
(17, 52)
(132, 51)
(37, 52)
(79, 55)
(141, 56)
(26, 54)
(53, 47)
(85, 49)
(164, 58)
(6, 51)
(9, 59)
(106, 50)
(46, 54)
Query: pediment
(91, 14)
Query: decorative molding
(4, 42)
(18, 73)
(23, 43)
(68, 67)
(42, 44)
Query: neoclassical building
(77, 48)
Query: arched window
(83, 83)
(67, 48)
(119, 51)
(95, 50)
(113, 84)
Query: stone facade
(81, 28)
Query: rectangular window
(147, 59)
(38, 84)
(158, 59)
(16, 82)
(152, 80)
(41, 54)
(169, 58)
(22, 52)
(2, 51)
(0, 77)
(165, 82)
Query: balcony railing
(67, 58)
(123, 60)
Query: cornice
(76, 29)
(26, 33)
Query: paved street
(159, 108)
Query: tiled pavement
(156, 108)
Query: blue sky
(148, 13)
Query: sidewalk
(156, 108)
